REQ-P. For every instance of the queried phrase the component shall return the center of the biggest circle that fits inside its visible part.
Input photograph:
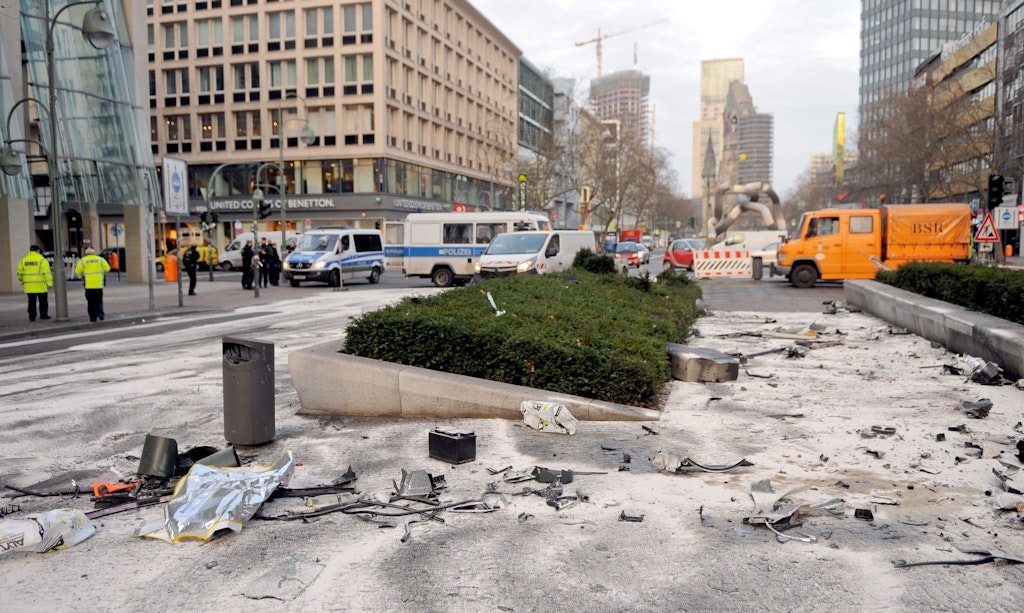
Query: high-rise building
(411, 104)
(623, 96)
(897, 35)
(715, 77)
(1012, 95)
(747, 143)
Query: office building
(106, 180)
(408, 105)
(897, 35)
(715, 77)
(1011, 93)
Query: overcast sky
(801, 61)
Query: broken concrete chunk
(700, 365)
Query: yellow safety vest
(92, 268)
(34, 273)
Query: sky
(801, 61)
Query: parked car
(627, 253)
(203, 259)
(679, 253)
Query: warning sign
(987, 231)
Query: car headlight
(285, 265)
(524, 265)
(319, 265)
(476, 268)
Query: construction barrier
(715, 264)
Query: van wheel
(375, 275)
(443, 277)
(225, 266)
(803, 276)
(335, 280)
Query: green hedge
(985, 289)
(600, 336)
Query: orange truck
(837, 244)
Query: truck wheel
(803, 276)
(375, 275)
(442, 277)
(335, 280)
(757, 269)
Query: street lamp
(307, 136)
(99, 32)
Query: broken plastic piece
(623, 516)
(883, 430)
(864, 514)
(42, 532)
(346, 477)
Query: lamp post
(307, 137)
(99, 32)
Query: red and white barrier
(715, 264)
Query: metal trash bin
(248, 391)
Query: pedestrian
(34, 275)
(275, 264)
(191, 262)
(265, 262)
(247, 272)
(93, 269)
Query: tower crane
(597, 39)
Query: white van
(231, 259)
(331, 255)
(533, 252)
(444, 247)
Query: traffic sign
(987, 231)
(116, 229)
(1006, 217)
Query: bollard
(1009, 251)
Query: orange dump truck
(836, 244)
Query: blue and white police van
(333, 255)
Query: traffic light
(264, 209)
(213, 217)
(995, 191)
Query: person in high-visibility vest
(34, 275)
(93, 269)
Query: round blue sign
(176, 182)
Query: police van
(332, 255)
(444, 247)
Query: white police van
(444, 247)
(331, 255)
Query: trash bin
(248, 391)
(170, 267)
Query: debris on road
(986, 557)
(548, 417)
(701, 365)
(975, 410)
(674, 464)
(42, 532)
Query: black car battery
(452, 445)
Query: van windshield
(507, 244)
(317, 242)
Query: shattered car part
(673, 463)
(210, 499)
(418, 484)
(159, 457)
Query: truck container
(837, 244)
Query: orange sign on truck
(837, 244)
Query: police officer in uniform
(93, 269)
(34, 275)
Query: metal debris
(673, 463)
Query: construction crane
(597, 39)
